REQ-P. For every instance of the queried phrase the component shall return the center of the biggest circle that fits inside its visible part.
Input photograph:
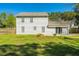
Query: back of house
(38, 23)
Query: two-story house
(38, 23)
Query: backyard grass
(41, 39)
(11, 44)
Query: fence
(7, 30)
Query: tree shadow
(54, 49)
(49, 49)
(19, 50)
(70, 38)
(28, 49)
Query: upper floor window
(31, 20)
(34, 27)
(43, 29)
(22, 20)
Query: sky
(35, 7)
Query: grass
(13, 44)
(23, 39)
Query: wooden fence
(7, 30)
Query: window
(22, 29)
(43, 29)
(31, 20)
(58, 30)
(34, 27)
(22, 20)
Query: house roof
(58, 23)
(23, 14)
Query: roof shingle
(58, 23)
(32, 14)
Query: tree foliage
(76, 9)
(3, 17)
(11, 21)
(68, 15)
(63, 15)
(54, 15)
(7, 20)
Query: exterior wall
(38, 22)
(65, 30)
(50, 31)
(29, 27)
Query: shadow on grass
(49, 49)
(70, 38)
(60, 50)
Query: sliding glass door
(58, 30)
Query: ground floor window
(58, 30)
(22, 29)
(34, 27)
(43, 29)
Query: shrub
(73, 30)
(54, 34)
(39, 35)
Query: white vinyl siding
(38, 25)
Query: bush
(73, 30)
(54, 34)
(39, 35)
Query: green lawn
(13, 44)
(23, 39)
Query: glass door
(58, 30)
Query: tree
(11, 21)
(3, 17)
(54, 15)
(76, 9)
(63, 16)
(68, 16)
